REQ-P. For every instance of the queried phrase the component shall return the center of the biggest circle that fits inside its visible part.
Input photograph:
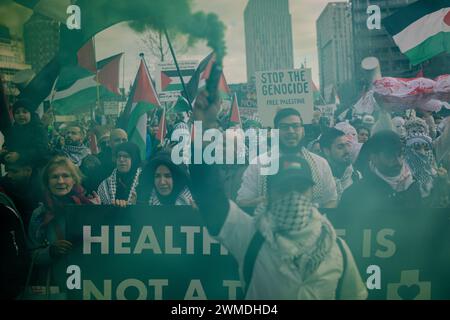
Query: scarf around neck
(183, 198)
(107, 190)
(76, 153)
(297, 232)
(400, 182)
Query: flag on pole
(41, 85)
(76, 88)
(235, 115)
(201, 76)
(142, 99)
(162, 130)
(421, 30)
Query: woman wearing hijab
(164, 183)
(120, 187)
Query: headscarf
(147, 192)
(122, 185)
(421, 164)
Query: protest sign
(143, 252)
(327, 110)
(168, 82)
(282, 89)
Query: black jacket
(372, 194)
(30, 141)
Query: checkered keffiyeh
(299, 234)
(108, 188)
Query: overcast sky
(304, 14)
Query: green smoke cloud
(177, 16)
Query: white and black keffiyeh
(297, 232)
(183, 199)
(108, 188)
(76, 153)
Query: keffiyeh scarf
(399, 183)
(76, 153)
(107, 189)
(297, 232)
(183, 199)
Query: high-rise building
(41, 35)
(378, 43)
(12, 60)
(335, 48)
(268, 36)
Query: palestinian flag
(76, 88)
(41, 85)
(142, 99)
(170, 80)
(422, 29)
(235, 116)
(201, 76)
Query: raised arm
(207, 185)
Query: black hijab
(180, 179)
(125, 180)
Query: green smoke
(177, 16)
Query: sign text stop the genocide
(275, 83)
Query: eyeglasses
(287, 126)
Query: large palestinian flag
(422, 29)
(142, 99)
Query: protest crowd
(385, 161)
(275, 226)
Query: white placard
(281, 89)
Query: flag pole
(96, 81)
(178, 68)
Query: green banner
(166, 253)
(411, 249)
(149, 253)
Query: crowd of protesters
(361, 162)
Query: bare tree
(154, 42)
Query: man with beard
(291, 132)
(387, 182)
(288, 250)
(73, 147)
(337, 149)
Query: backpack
(256, 245)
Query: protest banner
(168, 82)
(282, 89)
(411, 249)
(327, 110)
(166, 253)
(143, 252)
